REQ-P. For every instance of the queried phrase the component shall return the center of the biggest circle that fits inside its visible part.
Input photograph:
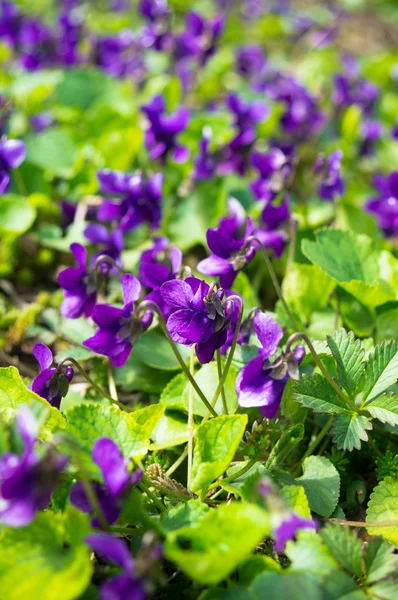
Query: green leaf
(381, 369)
(136, 375)
(382, 507)
(288, 441)
(186, 514)
(14, 393)
(130, 431)
(216, 443)
(154, 350)
(385, 590)
(16, 214)
(309, 553)
(211, 550)
(233, 593)
(315, 392)
(348, 354)
(366, 273)
(307, 288)
(349, 429)
(170, 431)
(345, 546)
(81, 87)
(379, 560)
(295, 498)
(254, 565)
(321, 483)
(176, 393)
(341, 586)
(300, 586)
(52, 150)
(384, 408)
(47, 559)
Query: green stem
(143, 485)
(363, 524)
(190, 421)
(275, 281)
(319, 364)
(177, 463)
(92, 498)
(152, 306)
(92, 383)
(316, 442)
(219, 368)
(126, 531)
(239, 473)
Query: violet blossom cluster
(384, 206)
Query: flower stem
(316, 442)
(110, 261)
(177, 463)
(231, 352)
(275, 281)
(92, 383)
(319, 364)
(152, 306)
(143, 485)
(190, 421)
(93, 500)
(363, 524)
(236, 475)
(219, 368)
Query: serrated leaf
(186, 514)
(345, 547)
(366, 273)
(384, 408)
(283, 448)
(212, 549)
(14, 393)
(315, 392)
(348, 354)
(86, 423)
(300, 586)
(381, 369)
(385, 590)
(349, 430)
(215, 445)
(295, 498)
(379, 560)
(309, 553)
(47, 559)
(382, 507)
(321, 483)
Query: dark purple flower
(41, 121)
(270, 231)
(350, 88)
(394, 131)
(205, 162)
(12, 154)
(119, 328)
(118, 481)
(273, 168)
(199, 39)
(153, 10)
(27, 480)
(289, 528)
(370, 133)
(80, 293)
(261, 383)
(161, 135)
(120, 55)
(112, 245)
(332, 183)
(385, 206)
(126, 585)
(199, 315)
(138, 198)
(51, 383)
(159, 264)
(10, 23)
(250, 60)
(228, 245)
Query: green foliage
(211, 550)
(16, 214)
(345, 546)
(216, 443)
(349, 430)
(53, 150)
(381, 370)
(286, 444)
(55, 560)
(321, 483)
(348, 354)
(383, 507)
(316, 392)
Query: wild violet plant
(198, 284)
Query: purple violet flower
(385, 206)
(119, 328)
(288, 530)
(161, 135)
(261, 383)
(42, 121)
(159, 264)
(332, 183)
(350, 89)
(273, 168)
(27, 480)
(80, 293)
(199, 39)
(112, 245)
(250, 60)
(118, 481)
(371, 132)
(12, 154)
(270, 232)
(205, 163)
(199, 314)
(227, 243)
(51, 383)
(140, 198)
(126, 585)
